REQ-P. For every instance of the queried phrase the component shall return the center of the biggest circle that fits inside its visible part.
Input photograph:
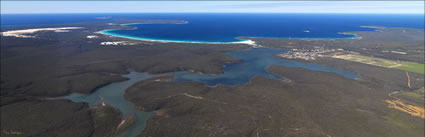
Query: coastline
(24, 33)
(105, 32)
(129, 24)
(243, 41)
(342, 33)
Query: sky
(16, 7)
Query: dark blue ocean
(220, 28)
(225, 27)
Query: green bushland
(29, 117)
(313, 103)
(414, 97)
(401, 65)
(57, 64)
(412, 67)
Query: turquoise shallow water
(219, 28)
(112, 33)
(223, 28)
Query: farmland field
(406, 66)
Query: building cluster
(92, 36)
(116, 43)
(308, 54)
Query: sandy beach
(248, 42)
(24, 33)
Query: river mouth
(255, 62)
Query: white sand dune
(249, 42)
(24, 33)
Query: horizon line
(217, 12)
